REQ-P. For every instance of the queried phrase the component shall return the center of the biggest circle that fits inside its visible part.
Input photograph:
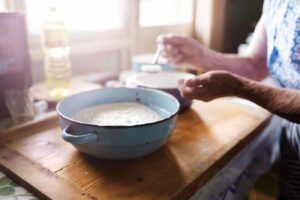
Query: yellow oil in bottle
(57, 61)
(58, 73)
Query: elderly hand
(182, 50)
(211, 85)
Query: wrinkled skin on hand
(180, 50)
(211, 85)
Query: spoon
(154, 67)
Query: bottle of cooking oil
(57, 61)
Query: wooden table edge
(12, 162)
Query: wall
(241, 18)
(224, 24)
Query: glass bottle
(57, 61)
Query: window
(100, 27)
(2, 5)
(79, 15)
(165, 12)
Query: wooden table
(206, 138)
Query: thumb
(194, 82)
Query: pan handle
(78, 139)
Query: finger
(172, 39)
(170, 55)
(194, 88)
(160, 39)
(187, 92)
(170, 52)
(195, 92)
(170, 49)
(203, 94)
(180, 82)
(173, 58)
(180, 85)
(176, 59)
(194, 82)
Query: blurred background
(104, 35)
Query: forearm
(253, 64)
(246, 66)
(283, 102)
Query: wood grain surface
(39, 91)
(206, 138)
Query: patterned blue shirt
(283, 33)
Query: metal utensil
(159, 50)
(154, 67)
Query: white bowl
(165, 81)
